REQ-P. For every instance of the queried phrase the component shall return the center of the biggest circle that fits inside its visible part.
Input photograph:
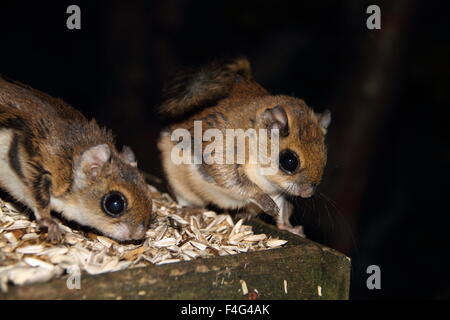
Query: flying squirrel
(53, 158)
(225, 96)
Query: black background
(384, 198)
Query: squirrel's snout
(139, 232)
(307, 191)
(127, 232)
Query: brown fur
(188, 91)
(52, 137)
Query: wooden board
(302, 269)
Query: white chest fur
(9, 180)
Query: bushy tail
(188, 92)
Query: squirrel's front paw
(298, 230)
(53, 231)
(266, 203)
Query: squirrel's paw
(298, 230)
(53, 232)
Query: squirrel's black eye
(114, 204)
(288, 161)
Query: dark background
(384, 198)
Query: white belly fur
(217, 195)
(9, 180)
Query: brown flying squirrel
(53, 158)
(225, 96)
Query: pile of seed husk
(176, 234)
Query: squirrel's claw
(298, 230)
(53, 231)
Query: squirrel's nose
(139, 231)
(308, 191)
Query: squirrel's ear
(276, 118)
(128, 156)
(189, 91)
(91, 163)
(324, 120)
